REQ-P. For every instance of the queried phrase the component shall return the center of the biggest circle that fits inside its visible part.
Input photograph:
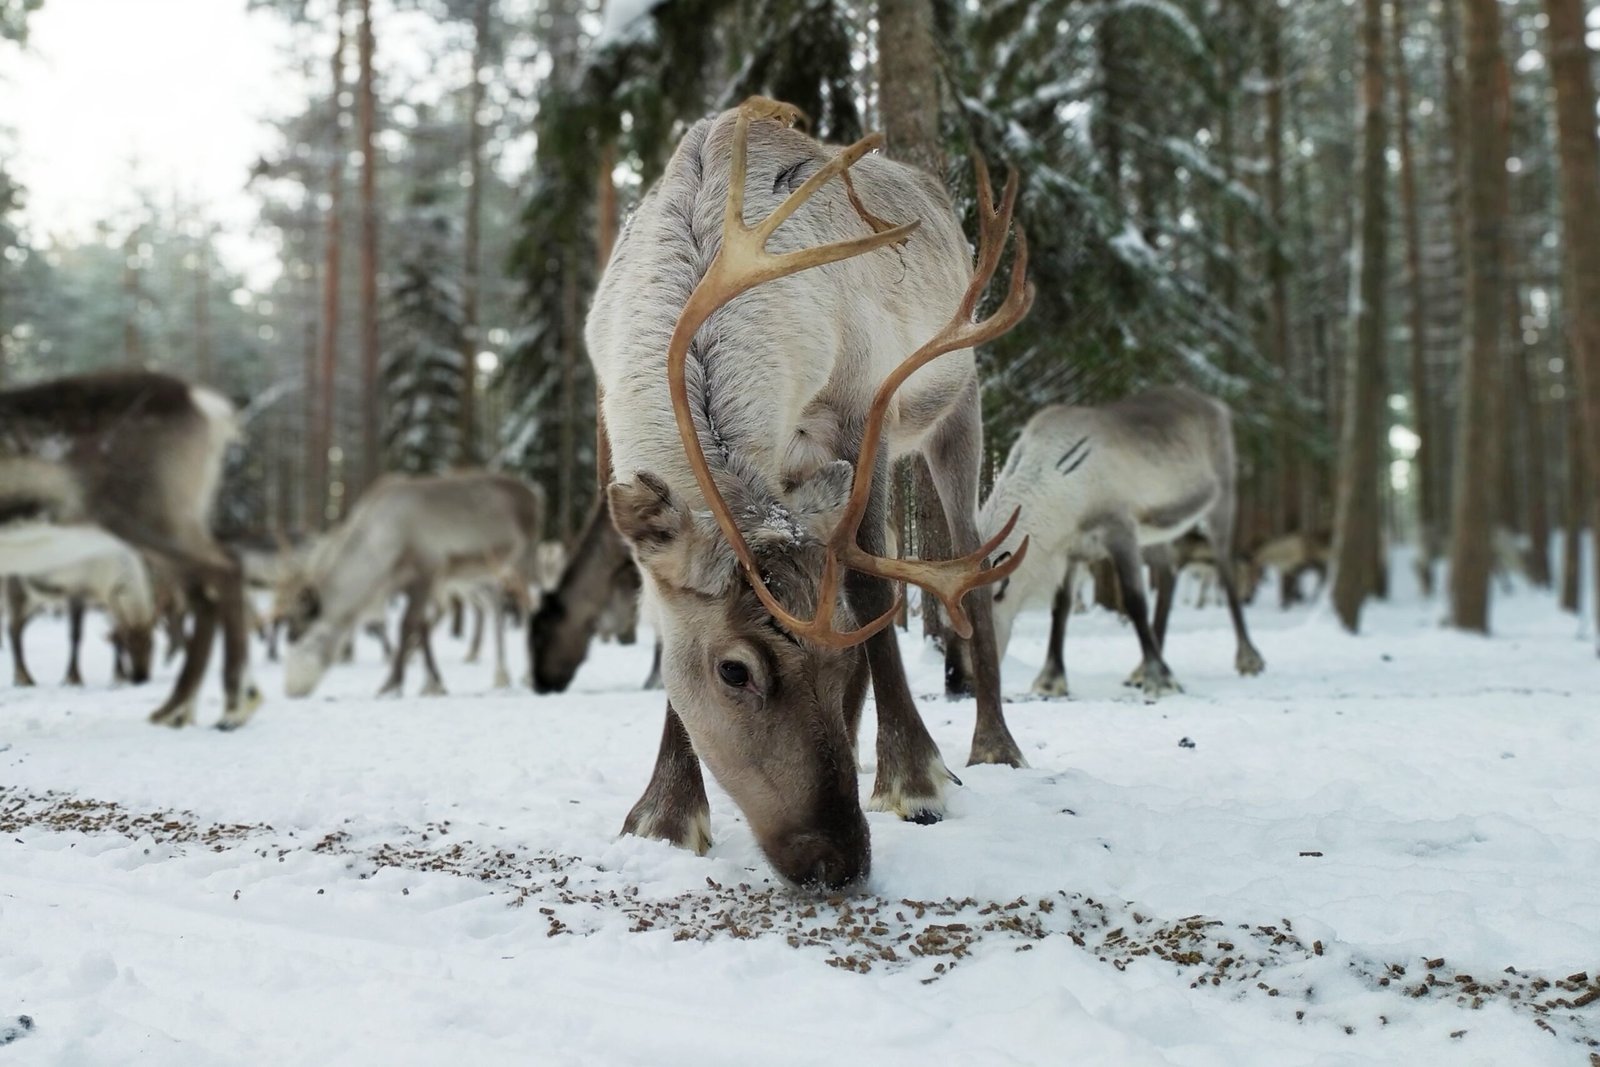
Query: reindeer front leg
(75, 640)
(412, 624)
(911, 771)
(16, 622)
(1152, 674)
(953, 460)
(1052, 680)
(674, 806)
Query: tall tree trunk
(1421, 403)
(1279, 350)
(132, 342)
(1580, 210)
(567, 474)
(371, 401)
(328, 341)
(471, 277)
(1358, 506)
(605, 238)
(1573, 510)
(1479, 424)
(202, 310)
(908, 73)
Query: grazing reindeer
(1165, 563)
(1291, 556)
(117, 581)
(1098, 483)
(135, 457)
(736, 385)
(597, 593)
(417, 536)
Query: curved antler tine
(980, 171)
(955, 606)
(843, 161)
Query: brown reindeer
(598, 590)
(753, 412)
(136, 457)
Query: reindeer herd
(780, 321)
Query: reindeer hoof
(999, 750)
(240, 710)
(917, 797)
(1050, 685)
(176, 717)
(502, 680)
(23, 680)
(1156, 681)
(433, 689)
(685, 829)
(390, 689)
(74, 679)
(1249, 662)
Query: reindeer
(88, 463)
(731, 385)
(412, 535)
(117, 581)
(597, 594)
(1100, 483)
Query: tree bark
(908, 74)
(328, 340)
(1421, 405)
(371, 402)
(1278, 345)
(472, 272)
(202, 309)
(1577, 479)
(1580, 208)
(1479, 423)
(1358, 507)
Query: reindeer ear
(647, 513)
(819, 501)
(671, 543)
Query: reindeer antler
(742, 263)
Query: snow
(352, 879)
(626, 22)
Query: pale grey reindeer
(415, 535)
(735, 385)
(1106, 482)
(136, 457)
(118, 581)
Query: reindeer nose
(827, 861)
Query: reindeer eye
(733, 673)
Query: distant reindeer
(1291, 556)
(1165, 562)
(597, 594)
(1098, 483)
(416, 536)
(119, 582)
(774, 400)
(135, 457)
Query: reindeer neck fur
(781, 377)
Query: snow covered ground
(1334, 863)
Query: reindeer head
(765, 691)
(137, 644)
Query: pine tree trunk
(1279, 351)
(371, 401)
(1421, 403)
(908, 74)
(1359, 502)
(328, 339)
(471, 275)
(1573, 510)
(202, 311)
(1580, 209)
(1479, 424)
(605, 238)
(132, 343)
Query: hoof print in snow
(1184, 742)
(18, 1027)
